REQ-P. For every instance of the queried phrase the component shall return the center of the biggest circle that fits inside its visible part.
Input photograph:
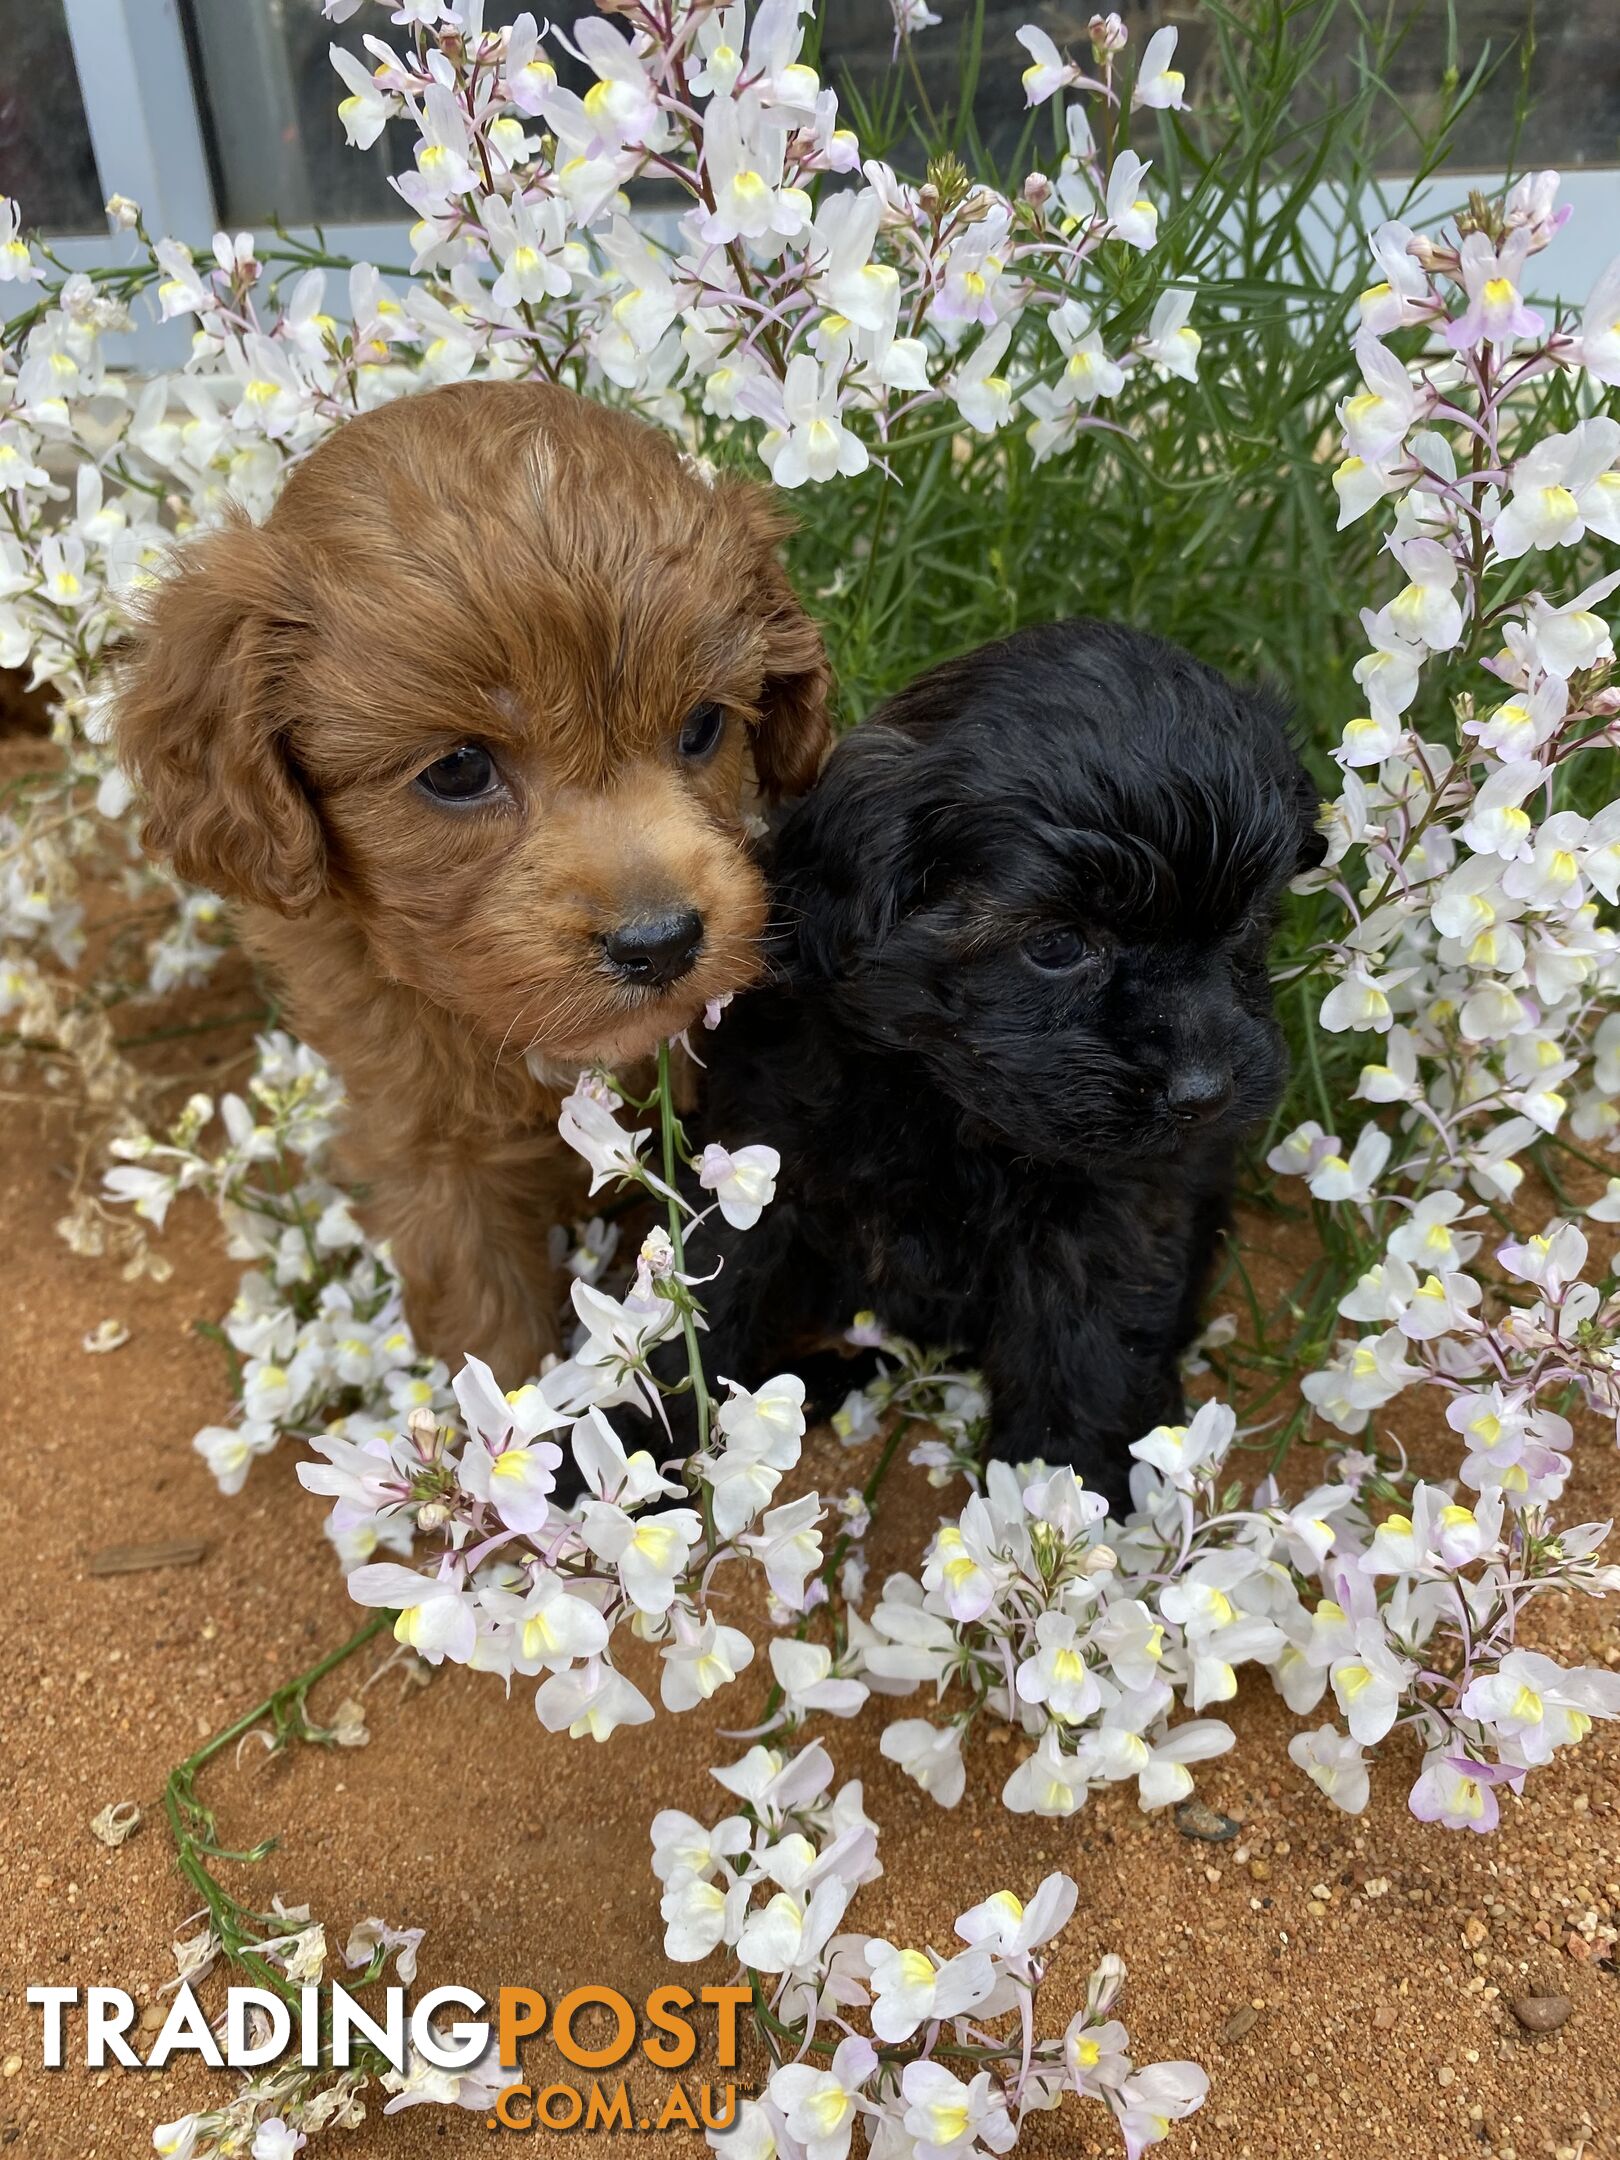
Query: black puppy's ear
(840, 861)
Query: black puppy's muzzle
(1199, 1094)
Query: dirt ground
(1346, 1984)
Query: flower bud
(126, 215)
(1037, 190)
(1108, 35)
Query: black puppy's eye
(1056, 952)
(701, 732)
(464, 775)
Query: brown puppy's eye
(467, 773)
(1056, 952)
(700, 733)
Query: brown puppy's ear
(795, 726)
(200, 719)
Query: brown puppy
(470, 727)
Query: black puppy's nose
(1198, 1093)
(655, 949)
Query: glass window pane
(1574, 74)
(270, 96)
(46, 161)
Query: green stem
(191, 1825)
(667, 1122)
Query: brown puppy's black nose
(655, 949)
(1199, 1093)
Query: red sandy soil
(1347, 1984)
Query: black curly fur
(984, 1152)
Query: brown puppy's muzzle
(654, 948)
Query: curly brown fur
(513, 569)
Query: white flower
(590, 1701)
(788, 1547)
(1562, 488)
(1172, 344)
(1400, 297)
(1159, 1767)
(1183, 1453)
(1378, 419)
(1368, 1684)
(984, 397)
(1158, 84)
(1131, 216)
(1599, 342)
(547, 1627)
(1048, 1782)
(804, 1674)
(1496, 312)
(1334, 1177)
(909, 1988)
(949, 2120)
(961, 1564)
(530, 241)
(276, 2139)
(789, 1933)
(15, 260)
(229, 1450)
(1151, 2100)
(1058, 1674)
(1048, 72)
(1089, 374)
(696, 1915)
(1360, 1001)
(1427, 611)
(813, 442)
(931, 1754)
(682, 1844)
(744, 150)
(1359, 482)
(649, 1551)
(1538, 1705)
(1427, 1237)
(1334, 1764)
(436, 1617)
(850, 283)
(620, 105)
(368, 108)
(819, 2106)
(744, 1183)
(1013, 1929)
(586, 1122)
(1132, 1640)
(701, 1661)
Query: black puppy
(1017, 1022)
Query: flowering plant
(807, 306)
